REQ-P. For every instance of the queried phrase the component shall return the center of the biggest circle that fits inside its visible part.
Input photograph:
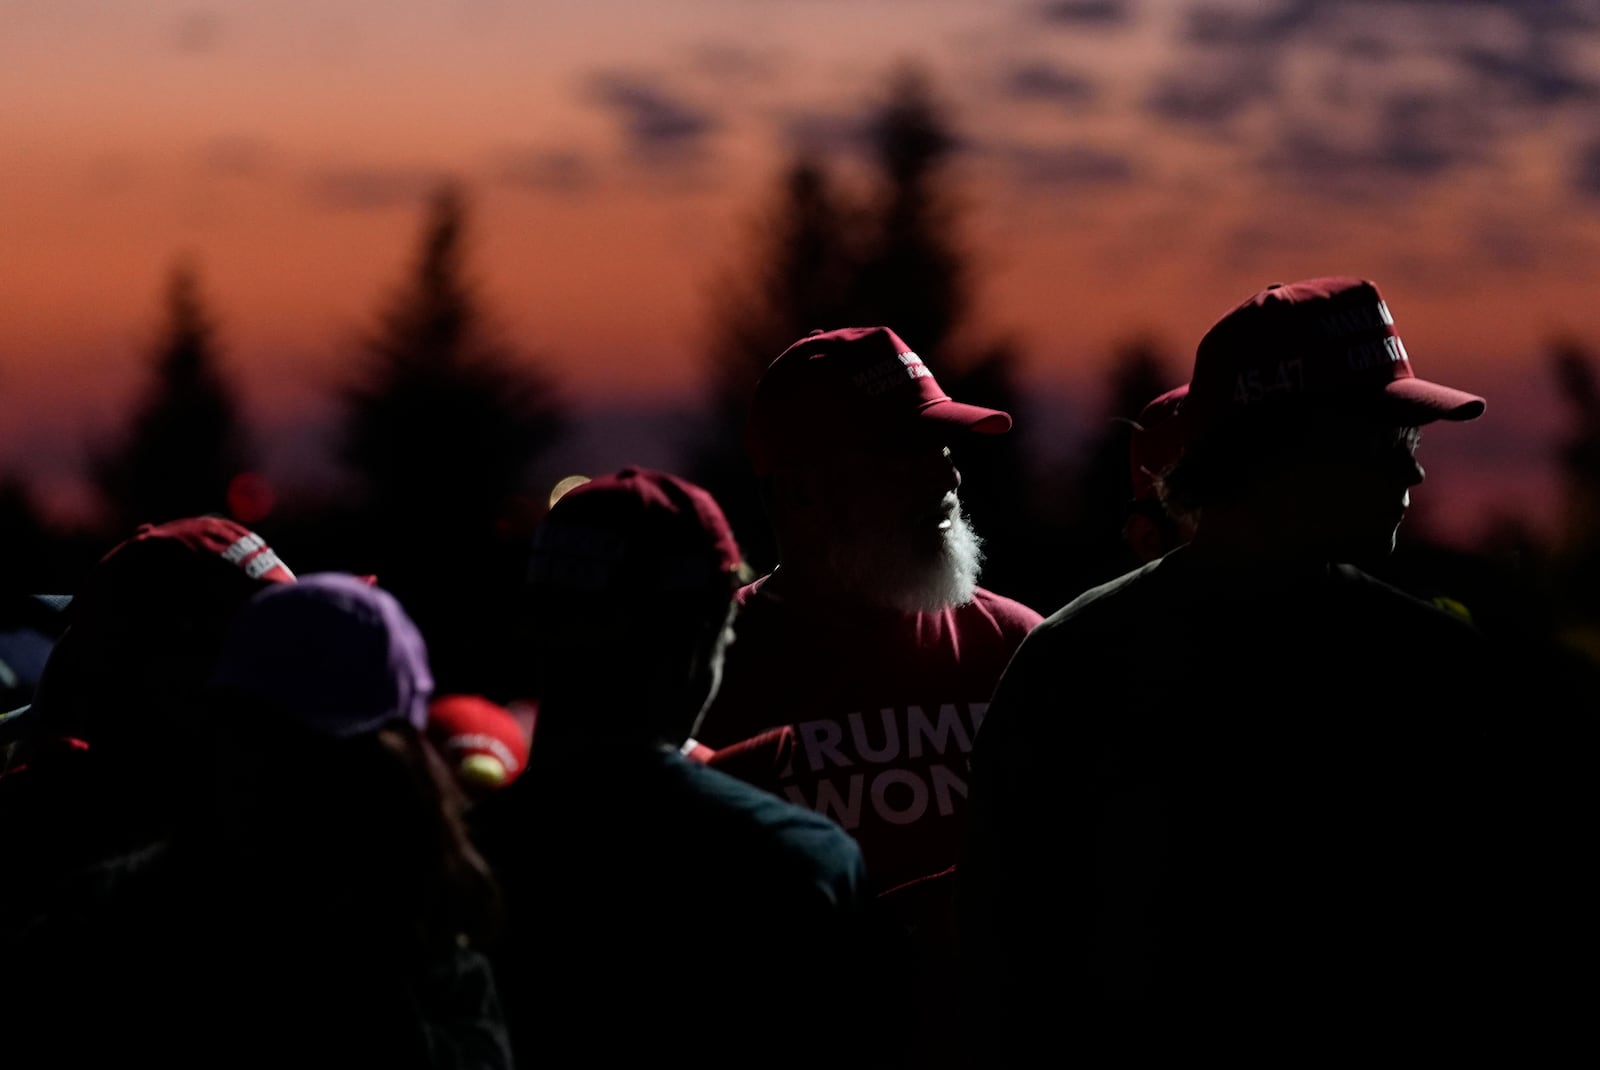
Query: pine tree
(914, 276)
(799, 280)
(1103, 484)
(185, 443)
(891, 256)
(442, 425)
(445, 420)
(1579, 543)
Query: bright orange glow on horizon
(617, 154)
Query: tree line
(441, 422)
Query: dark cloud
(1278, 21)
(1533, 59)
(1538, 72)
(371, 188)
(847, 133)
(827, 133)
(236, 156)
(1042, 80)
(1368, 46)
(1586, 169)
(1412, 138)
(1334, 85)
(197, 31)
(1067, 165)
(1213, 24)
(552, 170)
(1426, 134)
(1212, 96)
(659, 126)
(1086, 12)
(1534, 15)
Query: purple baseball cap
(332, 652)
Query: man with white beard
(864, 662)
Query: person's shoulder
(1435, 641)
(1402, 606)
(1100, 605)
(1009, 615)
(763, 607)
(748, 812)
(754, 807)
(761, 591)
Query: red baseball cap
(1329, 337)
(202, 568)
(851, 387)
(150, 617)
(479, 739)
(1158, 440)
(638, 532)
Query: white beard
(887, 573)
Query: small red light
(250, 497)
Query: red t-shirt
(864, 715)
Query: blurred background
(371, 276)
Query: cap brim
(971, 418)
(1423, 402)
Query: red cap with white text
(852, 387)
(1323, 338)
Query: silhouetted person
(871, 644)
(352, 904)
(652, 902)
(30, 624)
(105, 762)
(866, 659)
(1237, 802)
(320, 909)
(1153, 448)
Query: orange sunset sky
(1127, 167)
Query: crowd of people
(1244, 802)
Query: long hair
(364, 833)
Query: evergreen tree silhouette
(24, 537)
(913, 278)
(441, 426)
(799, 280)
(1102, 484)
(1579, 457)
(185, 443)
(890, 255)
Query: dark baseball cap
(1324, 339)
(637, 533)
(147, 622)
(849, 387)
